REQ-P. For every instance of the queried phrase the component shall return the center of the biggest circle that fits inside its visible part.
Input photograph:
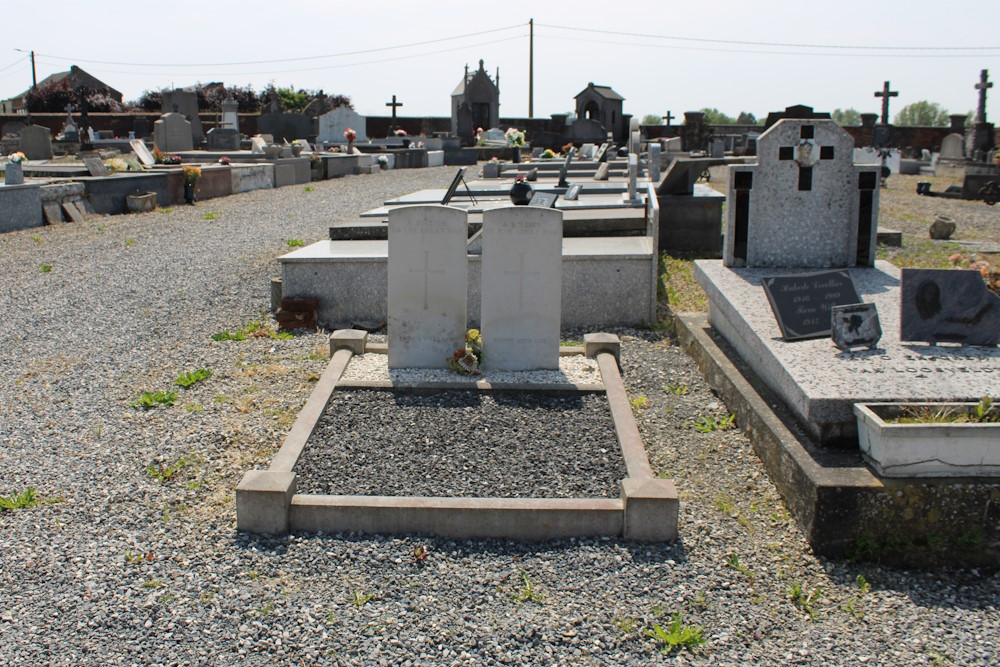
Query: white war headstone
(428, 276)
(633, 175)
(655, 152)
(521, 287)
(952, 146)
(335, 122)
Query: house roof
(468, 77)
(604, 91)
(74, 72)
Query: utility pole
(34, 81)
(531, 68)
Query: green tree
(846, 117)
(746, 118)
(922, 114)
(715, 117)
(651, 119)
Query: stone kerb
(521, 287)
(427, 279)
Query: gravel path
(463, 443)
(139, 563)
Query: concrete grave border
(267, 502)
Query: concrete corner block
(262, 501)
(354, 340)
(651, 509)
(594, 343)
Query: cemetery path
(132, 555)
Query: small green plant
(192, 407)
(969, 540)
(186, 380)
(265, 609)
(162, 473)
(211, 215)
(724, 504)
(983, 412)
(709, 423)
(295, 243)
(733, 561)
(802, 600)
(528, 592)
(863, 585)
(626, 626)
(225, 335)
(420, 554)
(281, 335)
(165, 211)
(639, 402)
(129, 242)
(151, 583)
(308, 188)
(36, 238)
(148, 399)
(676, 635)
(699, 601)
(44, 268)
(133, 558)
(677, 389)
(101, 228)
(19, 501)
(360, 599)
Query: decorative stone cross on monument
(669, 117)
(885, 94)
(393, 104)
(983, 85)
(806, 153)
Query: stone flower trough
(932, 449)
(646, 510)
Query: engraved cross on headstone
(427, 270)
(669, 117)
(885, 94)
(393, 104)
(806, 153)
(983, 85)
(520, 273)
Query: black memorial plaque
(543, 199)
(855, 325)
(565, 168)
(948, 306)
(802, 302)
(601, 152)
(572, 192)
(450, 192)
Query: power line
(19, 60)
(288, 60)
(777, 44)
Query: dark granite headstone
(572, 192)
(142, 128)
(532, 174)
(601, 153)
(95, 166)
(855, 326)
(565, 167)
(543, 199)
(223, 139)
(948, 306)
(286, 126)
(36, 142)
(802, 302)
(602, 172)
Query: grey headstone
(142, 152)
(951, 147)
(948, 306)
(230, 114)
(602, 172)
(532, 174)
(223, 139)
(333, 123)
(53, 212)
(75, 214)
(655, 153)
(633, 175)
(172, 133)
(427, 295)
(257, 144)
(521, 287)
(185, 103)
(95, 166)
(855, 326)
(36, 142)
(718, 148)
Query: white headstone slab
(428, 275)
(587, 151)
(172, 133)
(142, 152)
(333, 123)
(718, 148)
(674, 145)
(257, 144)
(869, 155)
(654, 162)
(635, 142)
(521, 287)
(633, 125)
(633, 176)
(952, 147)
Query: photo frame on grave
(802, 302)
(573, 192)
(855, 326)
(453, 187)
(564, 171)
(543, 199)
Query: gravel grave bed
(463, 443)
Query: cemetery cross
(427, 270)
(982, 86)
(805, 154)
(669, 117)
(393, 104)
(520, 273)
(885, 94)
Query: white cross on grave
(520, 273)
(427, 271)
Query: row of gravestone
(521, 286)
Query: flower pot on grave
(515, 155)
(520, 193)
(189, 194)
(272, 151)
(14, 174)
(142, 202)
(927, 448)
(296, 150)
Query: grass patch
(129, 242)
(165, 211)
(44, 268)
(919, 253)
(678, 286)
(149, 399)
(295, 243)
(186, 380)
(308, 188)
(212, 215)
(677, 635)
(527, 592)
(24, 500)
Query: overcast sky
(735, 56)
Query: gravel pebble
(573, 369)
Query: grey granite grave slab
(428, 285)
(949, 306)
(820, 383)
(20, 207)
(96, 166)
(36, 142)
(521, 287)
(172, 132)
(602, 172)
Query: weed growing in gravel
(802, 600)
(734, 562)
(420, 554)
(151, 583)
(710, 423)
(36, 238)
(639, 402)
(253, 329)
(148, 399)
(699, 601)
(192, 407)
(129, 242)
(295, 243)
(186, 380)
(265, 609)
(627, 626)
(677, 389)
(676, 635)
(163, 474)
(360, 599)
(527, 592)
(44, 268)
(206, 597)
(212, 215)
(331, 617)
(101, 228)
(723, 504)
(165, 211)
(24, 500)
(137, 558)
(225, 335)
(308, 188)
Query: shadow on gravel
(938, 588)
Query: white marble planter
(927, 449)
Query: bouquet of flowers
(17, 158)
(400, 132)
(191, 175)
(466, 360)
(350, 135)
(172, 159)
(224, 159)
(548, 152)
(515, 137)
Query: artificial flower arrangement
(191, 174)
(224, 160)
(515, 137)
(400, 132)
(172, 159)
(548, 152)
(420, 144)
(17, 158)
(350, 135)
(467, 360)
(565, 149)
(986, 270)
(118, 164)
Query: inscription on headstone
(802, 302)
(543, 199)
(855, 326)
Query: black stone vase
(515, 155)
(189, 196)
(520, 193)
